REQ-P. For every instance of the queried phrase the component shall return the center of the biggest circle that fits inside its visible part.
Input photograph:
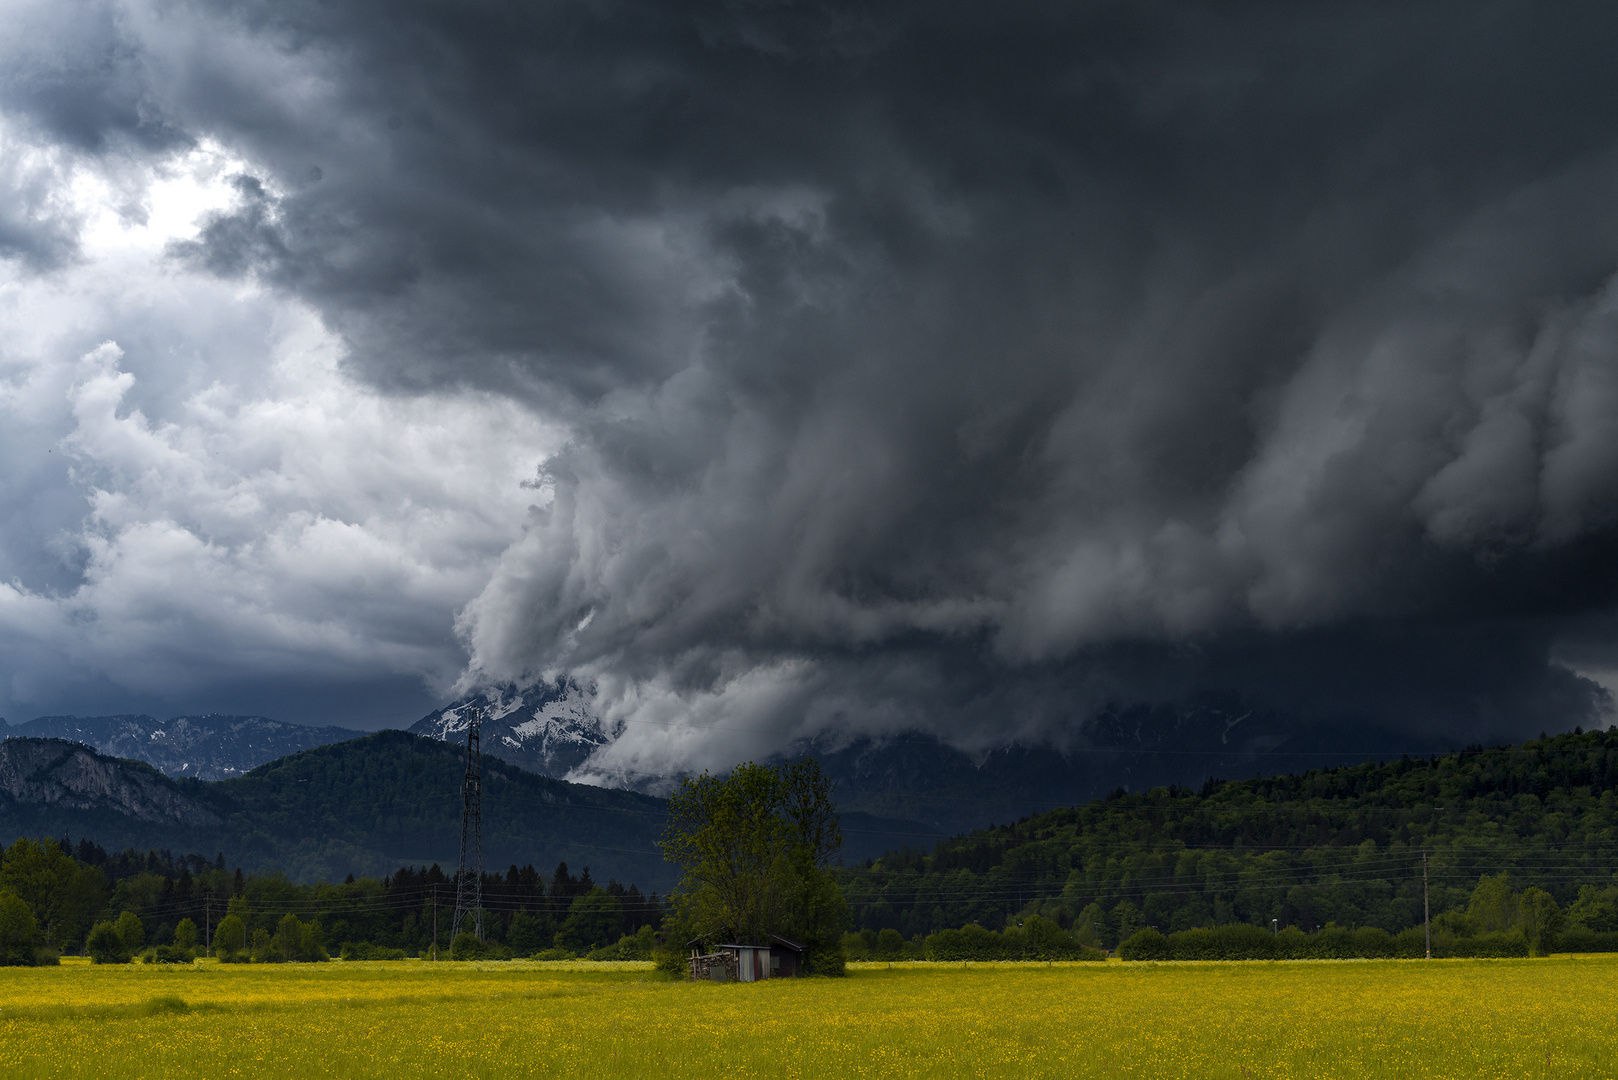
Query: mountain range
(905, 787)
(552, 729)
(364, 806)
(210, 747)
(548, 729)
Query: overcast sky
(811, 368)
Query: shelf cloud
(791, 370)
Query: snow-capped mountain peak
(548, 728)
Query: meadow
(1442, 1018)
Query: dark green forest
(65, 889)
(1322, 851)
(390, 798)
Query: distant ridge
(207, 747)
(917, 777)
(51, 779)
(909, 787)
(365, 806)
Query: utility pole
(435, 921)
(1426, 907)
(469, 876)
(207, 925)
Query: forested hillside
(1334, 846)
(364, 807)
(372, 804)
(65, 887)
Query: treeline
(1498, 921)
(138, 904)
(1333, 847)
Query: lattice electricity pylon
(469, 877)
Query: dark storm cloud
(937, 364)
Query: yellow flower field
(1462, 1018)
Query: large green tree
(230, 939)
(18, 931)
(64, 896)
(592, 921)
(105, 946)
(754, 848)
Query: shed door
(746, 965)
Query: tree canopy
(1342, 845)
(754, 849)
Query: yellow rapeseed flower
(1469, 1018)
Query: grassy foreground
(1457, 1018)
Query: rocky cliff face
(549, 729)
(57, 775)
(211, 747)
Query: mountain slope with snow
(211, 747)
(549, 729)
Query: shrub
(18, 932)
(131, 931)
(1581, 939)
(361, 950)
(185, 936)
(1037, 939)
(105, 946)
(1234, 942)
(825, 958)
(554, 954)
(1243, 941)
(637, 946)
(669, 955)
(1145, 944)
(1373, 943)
(1410, 944)
(466, 946)
(970, 942)
(890, 945)
(168, 954)
(1500, 944)
(1333, 943)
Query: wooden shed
(781, 959)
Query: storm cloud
(886, 366)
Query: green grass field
(1462, 1018)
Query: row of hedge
(1580, 940)
(1242, 941)
(1037, 939)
